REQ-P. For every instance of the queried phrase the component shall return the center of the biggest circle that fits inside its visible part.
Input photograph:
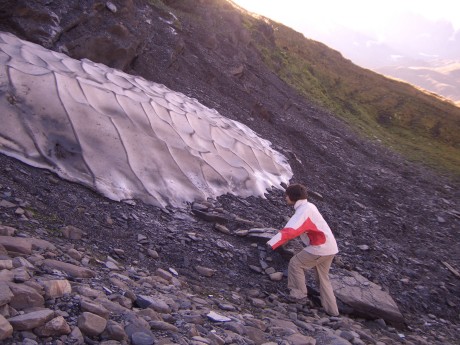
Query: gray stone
(21, 275)
(141, 338)
(5, 293)
(164, 274)
(76, 336)
(72, 232)
(91, 324)
(111, 306)
(71, 270)
(366, 298)
(56, 288)
(6, 264)
(55, 327)
(6, 204)
(39, 244)
(25, 297)
(163, 326)
(7, 230)
(16, 244)
(6, 276)
(114, 331)
(299, 339)
(6, 330)
(277, 276)
(205, 271)
(222, 228)
(21, 262)
(94, 308)
(31, 320)
(153, 253)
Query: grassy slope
(419, 125)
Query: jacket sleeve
(292, 229)
(284, 236)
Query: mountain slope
(422, 126)
(405, 213)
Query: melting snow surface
(122, 135)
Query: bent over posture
(319, 252)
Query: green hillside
(420, 125)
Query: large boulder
(366, 298)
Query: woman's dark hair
(296, 192)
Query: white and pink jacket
(313, 230)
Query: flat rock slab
(24, 245)
(16, 244)
(70, 269)
(31, 320)
(365, 297)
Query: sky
(373, 16)
(402, 24)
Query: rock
(228, 307)
(299, 339)
(31, 320)
(5, 293)
(39, 244)
(153, 253)
(142, 338)
(114, 331)
(111, 6)
(21, 262)
(210, 217)
(217, 317)
(56, 288)
(6, 264)
(277, 276)
(25, 297)
(71, 270)
(205, 271)
(6, 276)
(6, 204)
(76, 336)
(94, 308)
(115, 47)
(6, 330)
(150, 302)
(91, 324)
(55, 327)
(335, 340)
(21, 275)
(72, 232)
(163, 274)
(139, 332)
(222, 228)
(163, 326)
(112, 266)
(16, 244)
(7, 230)
(241, 232)
(366, 298)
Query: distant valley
(440, 77)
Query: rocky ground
(396, 222)
(134, 273)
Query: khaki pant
(296, 278)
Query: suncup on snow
(122, 135)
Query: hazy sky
(372, 16)
(412, 28)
